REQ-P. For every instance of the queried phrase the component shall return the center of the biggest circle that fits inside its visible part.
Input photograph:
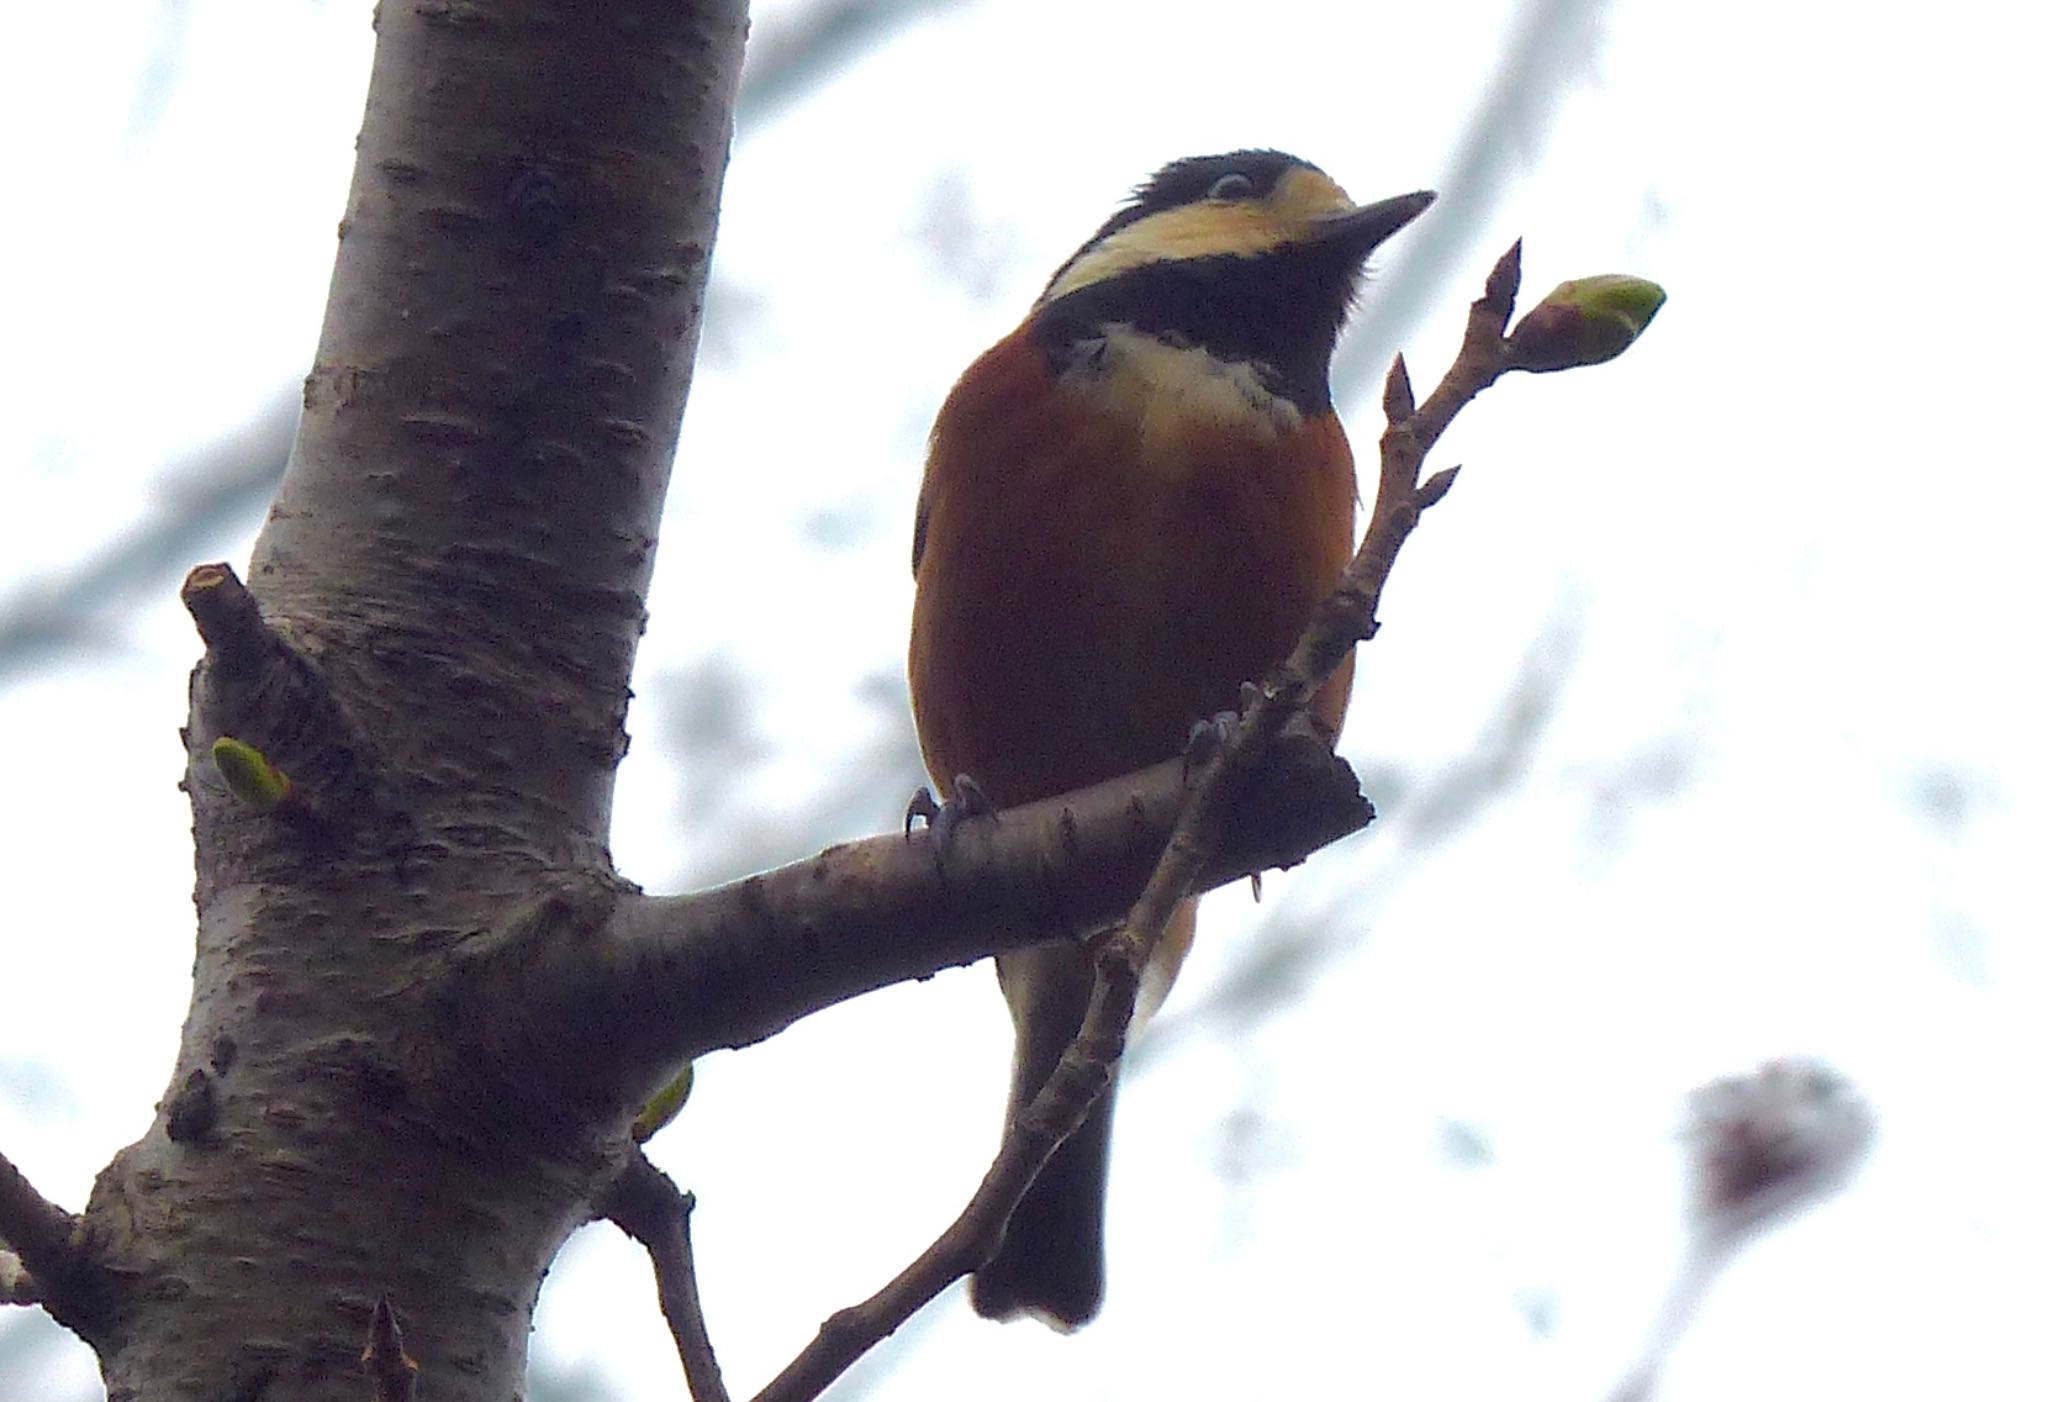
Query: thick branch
(665, 979)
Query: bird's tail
(1050, 1265)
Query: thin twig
(1296, 942)
(1347, 618)
(645, 1204)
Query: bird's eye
(1234, 186)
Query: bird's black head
(1253, 256)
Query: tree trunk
(446, 601)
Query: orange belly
(1087, 589)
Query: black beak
(1367, 227)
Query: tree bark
(446, 601)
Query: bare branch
(1029, 1140)
(37, 1229)
(647, 1206)
(47, 1262)
(621, 989)
(1292, 949)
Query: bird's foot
(969, 800)
(1206, 738)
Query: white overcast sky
(1778, 570)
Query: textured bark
(450, 591)
(673, 977)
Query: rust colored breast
(1093, 579)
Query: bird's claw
(922, 805)
(1206, 738)
(969, 800)
(1205, 741)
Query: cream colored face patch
(1299, 201)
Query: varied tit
(1132, 504)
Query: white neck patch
(1171, 390)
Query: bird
(1131, 505)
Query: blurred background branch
(1550, 52)
(205, 495)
